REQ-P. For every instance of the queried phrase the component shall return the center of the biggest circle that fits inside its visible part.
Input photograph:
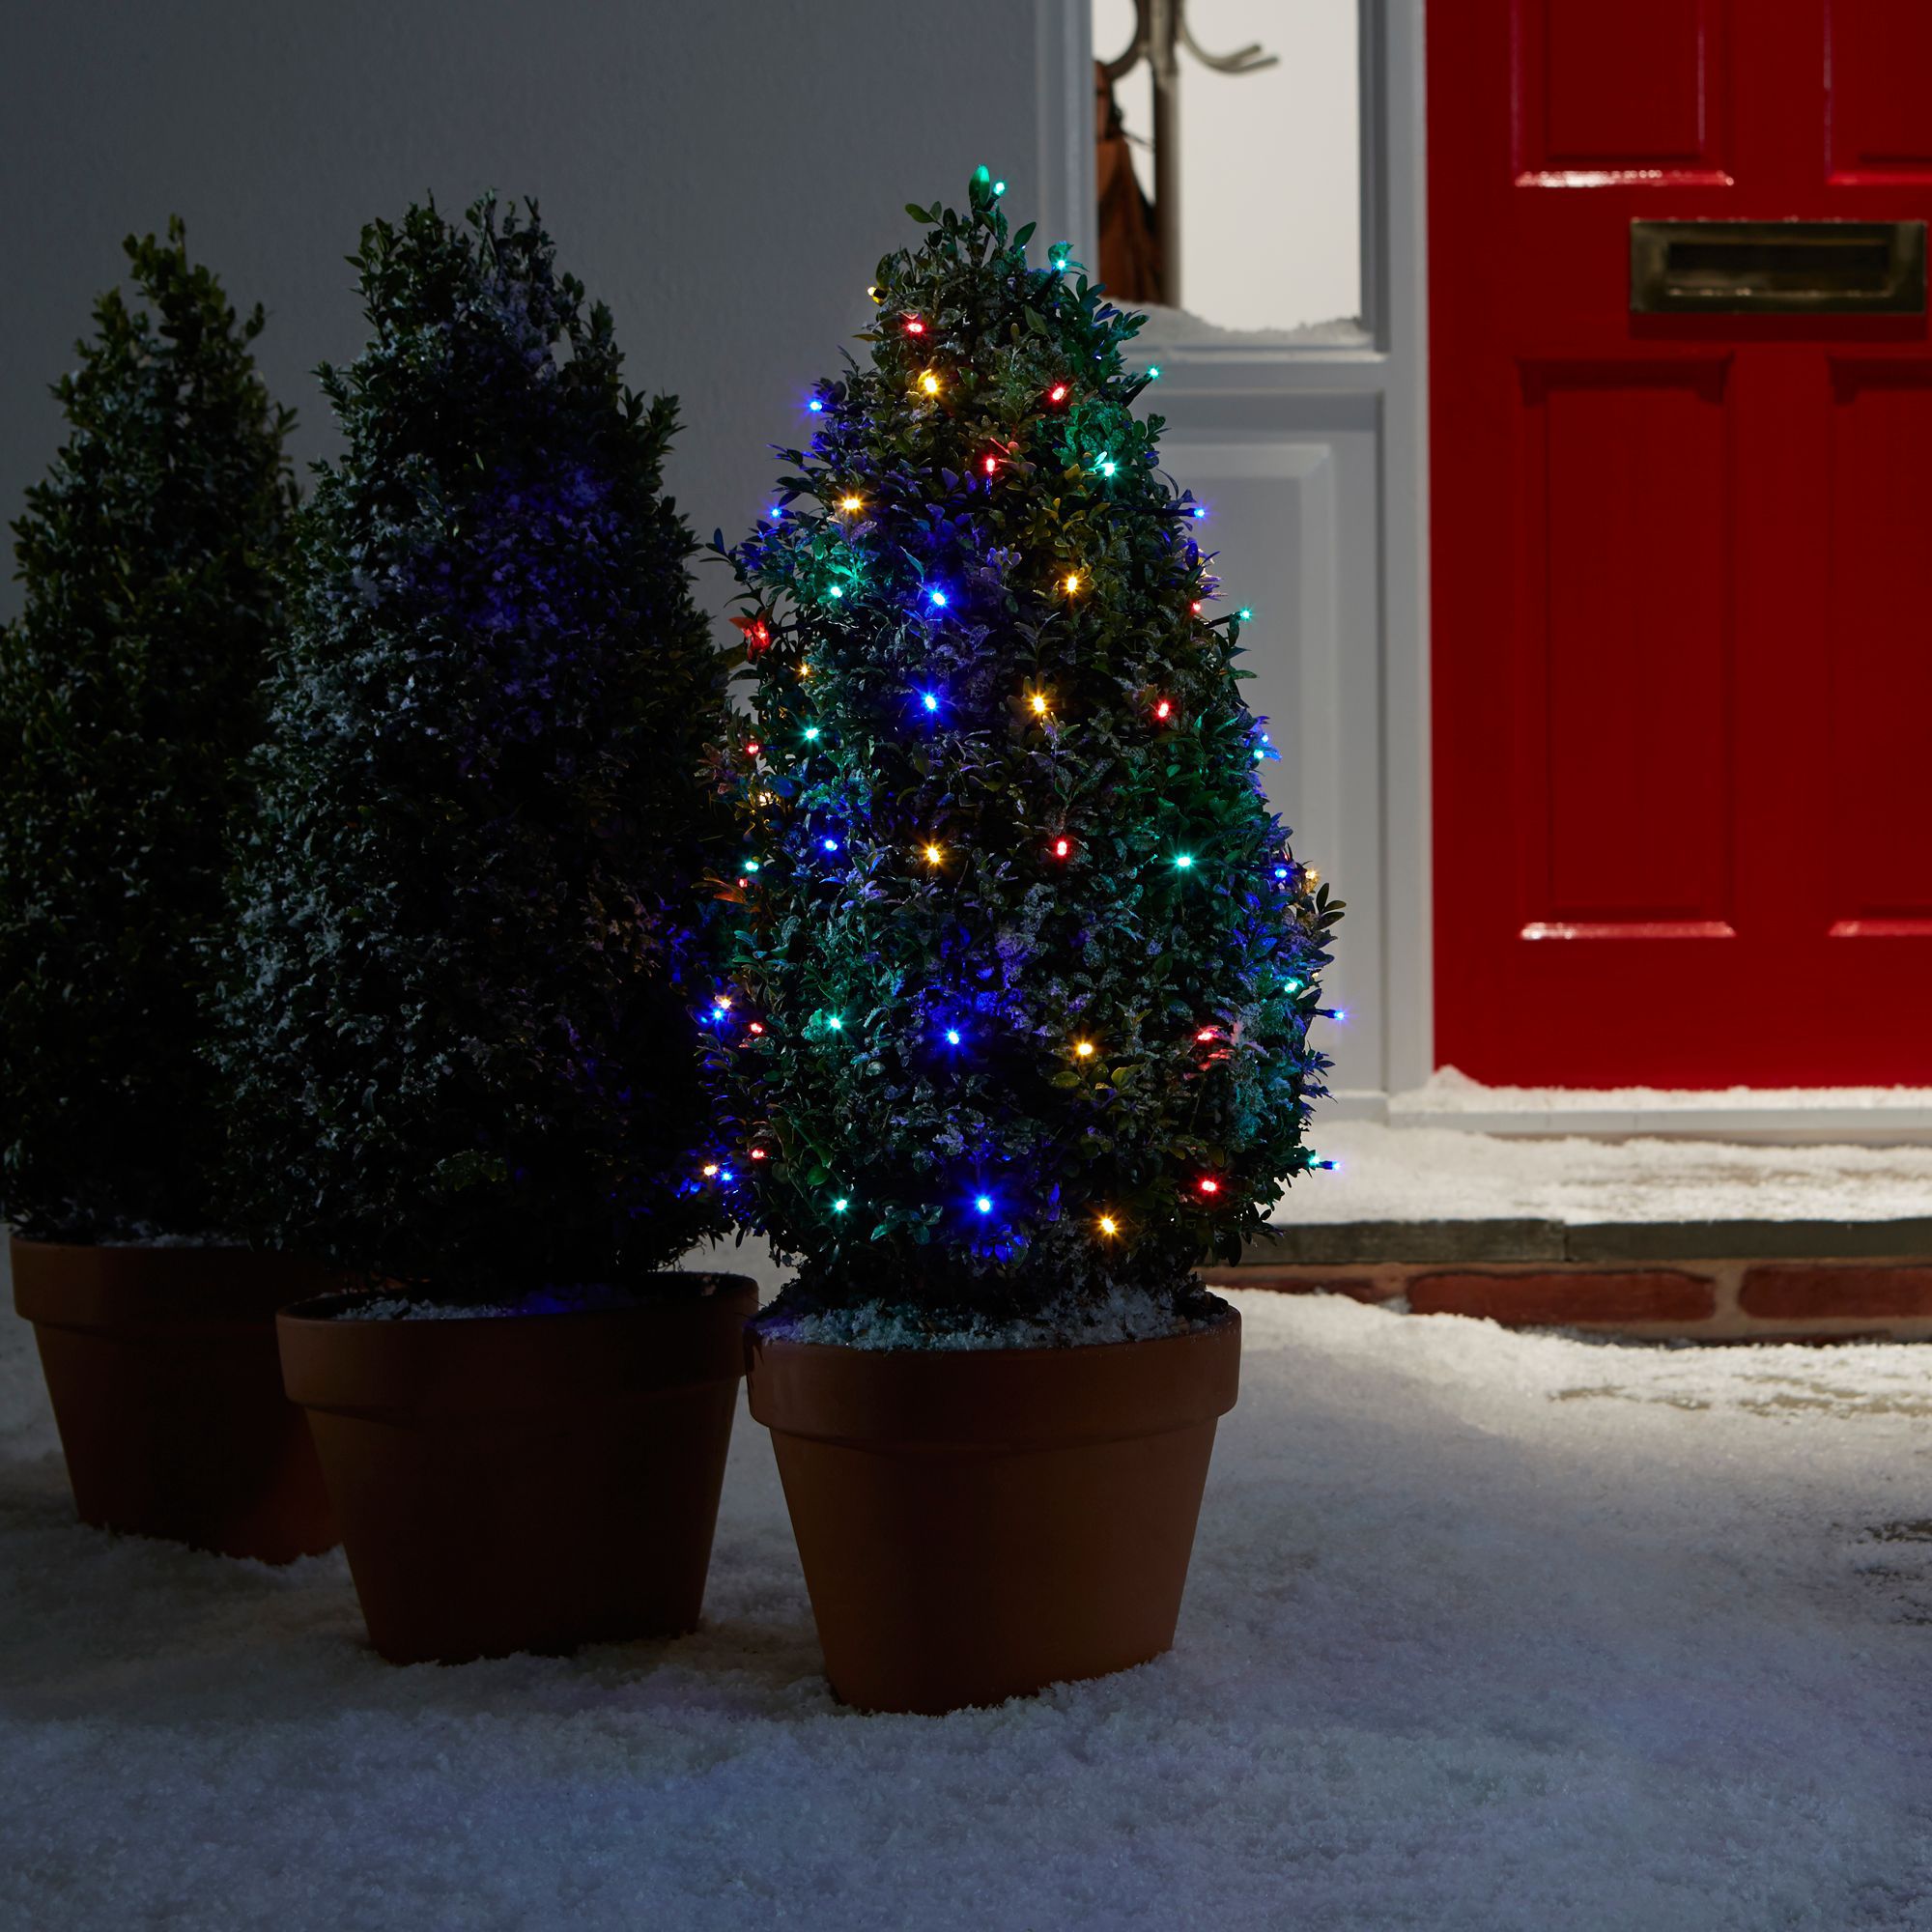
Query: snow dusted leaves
(130, 699)
(473, 923)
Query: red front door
(1682, 637)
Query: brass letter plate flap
(1777, 268)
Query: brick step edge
(1716, 1300)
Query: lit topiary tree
(462, 1035)
(1025, 968)
(130, 696)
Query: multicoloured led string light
(973, 417)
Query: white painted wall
(1269, 161)
(724, 175)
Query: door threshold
(1779, 1115)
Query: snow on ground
(1427, 1174)
(750, 1257)
(1485, 1630)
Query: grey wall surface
(724, 173)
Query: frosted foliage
(458, 1037)
(1118, 1315)
(592, 1298)
(1486, 1633)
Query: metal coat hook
(1160, 32)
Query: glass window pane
(1270, 161)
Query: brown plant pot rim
(130, 1289)
(493, 1363)
(1048, 1396)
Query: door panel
(1627, 683)
(1623, 89)
(1879, 669)
(1682, 650)
(1879, 54)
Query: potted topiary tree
(1025, 972)
(463, 1032)
(129, 694)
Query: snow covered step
(1706, 1240)
(1385, 1174)
(1796, 1116)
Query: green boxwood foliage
(1029, 965)
(462, 1042)
(129, 692)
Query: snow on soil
(1428, 1173)
(1486, 1631)
(1126, 1314)
(150, 1237)
(585, 1298)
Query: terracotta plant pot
(976, 1523)
(161, 1366)
(524, 1482)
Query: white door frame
(1334, 434)
(1338, 433)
